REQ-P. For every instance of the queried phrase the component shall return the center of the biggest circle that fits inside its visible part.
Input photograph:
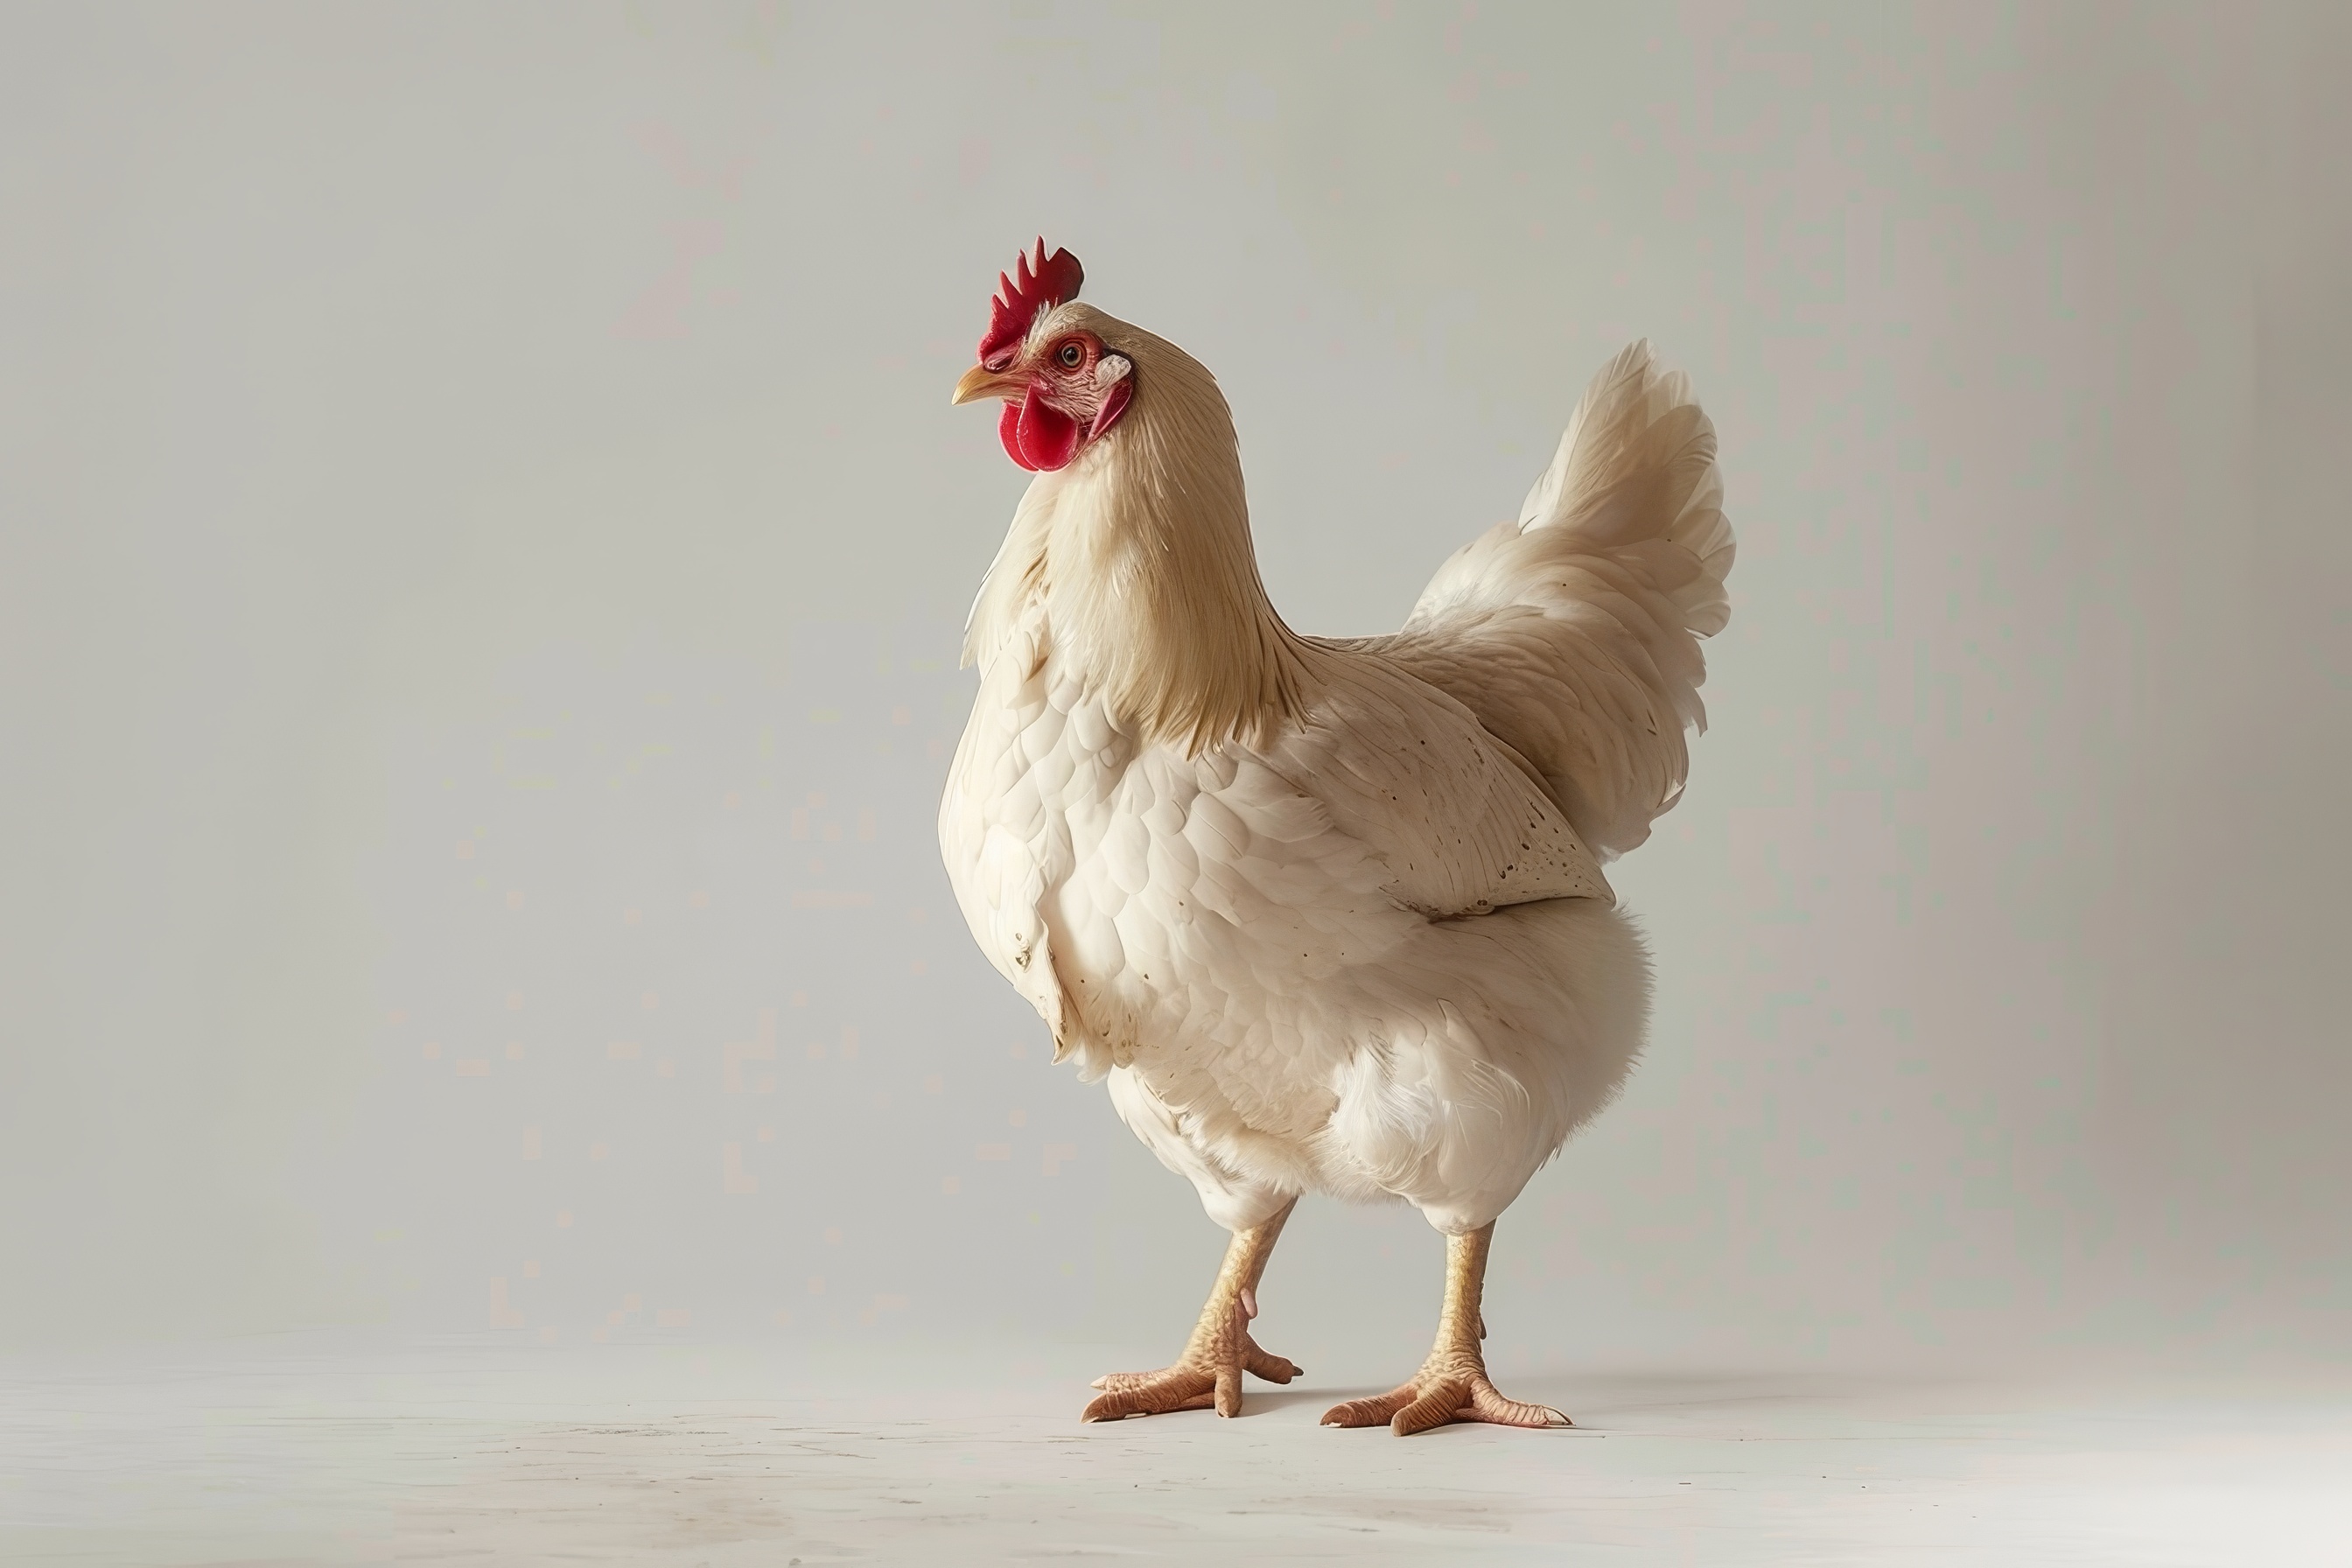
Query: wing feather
(1457, 819)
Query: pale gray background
(473, 477)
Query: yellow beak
(982, 382)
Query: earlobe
(1114, 404)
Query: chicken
(1328, 915)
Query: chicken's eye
(1071, 355)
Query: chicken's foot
(1208, 1375)
(1452, 1384)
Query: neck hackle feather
(1139, 553)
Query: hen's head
(1063, 386)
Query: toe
(1273, 1368)
(1118, 1382)
(1374, 1412)
(1108, 1407)
(1154, 1399)
(1228, 1392)
(1487, 1403)
(1435, 1408)
(1179, 1387)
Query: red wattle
(1008, 430)
(1047, 437)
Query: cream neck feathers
(1139, 554)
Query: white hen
(1328, 915)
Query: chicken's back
(1572, 633)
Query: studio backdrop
(485, 547)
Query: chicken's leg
(1452, 1384)
(1208, 1375)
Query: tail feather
(1573, 632)
(1638, 463)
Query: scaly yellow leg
(1452, 1384)
(1208, 1375)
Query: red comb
(1053, 281)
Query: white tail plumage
(1638, 463)
(1573, 632)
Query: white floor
(640, 1455)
